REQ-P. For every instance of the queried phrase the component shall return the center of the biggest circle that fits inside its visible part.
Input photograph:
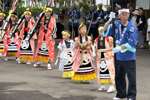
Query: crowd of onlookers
(99, 17)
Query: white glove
(112, 15)
(149, 43)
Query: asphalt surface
(24, 82)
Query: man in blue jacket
(92, 14)
(107, 13)
(126, 41)
(74, 16)
(101, 14)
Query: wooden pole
(89, 26)
(72, 30)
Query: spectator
(135, 13)
(74, 16)
(131, 12)
(140, 23)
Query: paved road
(24, 82)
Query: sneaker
(19, 61)
(111, 89)
(102, 89)
(49, 66)
(28, 63)
(6, 59)
(37, 64)
(116, 98)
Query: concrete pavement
(24, 82)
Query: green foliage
(20, 10)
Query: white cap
(91, 5)
(100, 4)
(124, 10)
(118, 5)
(74, 4)
(136, 12)
(108, 6)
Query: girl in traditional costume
(83, 60)
(2, 16)
(11, 46)
(47, 34)
(105, 61)
(65, 54)
(27, 48)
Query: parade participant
(135, 13)
(126, 41)
(94, 17)
(107, 13)
(101, 14)
(2, 16)
(74, 16)
(11, 46)
(105, 61)
(83, 60)
(65, 54)
(45, 47)
(27, 48)
(117, 8)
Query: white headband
(124, 10)
(118, 5)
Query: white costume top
(62, 46)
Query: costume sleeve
(132, 40)
(78, 14)
(69, 13)
(110, 39)
(72, 45)
(97, 15)
(95, 43)
(103, 15)
(87, 15)
(60, 46)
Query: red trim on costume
(27, 29)
(61, 42)
(107, 38)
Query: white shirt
(134, 19)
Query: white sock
(38, 62)
(102, 86)
(49, 64)
(111, 86)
